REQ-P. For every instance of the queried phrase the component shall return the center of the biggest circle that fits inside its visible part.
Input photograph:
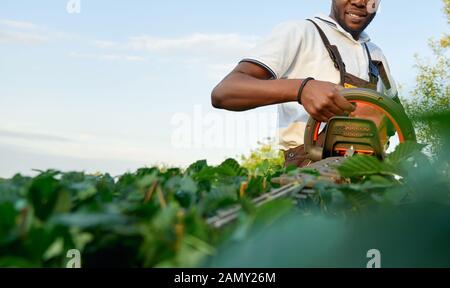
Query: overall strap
(333, 51)
(374, 72)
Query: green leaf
(359, 165)
(56, 249)
(8, 216)
(263, 168)
(17, 262)
(221, 196)
(257, 186)
(64, 202)
(404, 151)
(83, 190)
(231, 167)
(43, 194)
(197, 167)
(186, 194)
(272, 211)
(261, 217)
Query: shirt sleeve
(277, 52)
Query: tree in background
(266, 158)
(432, 92)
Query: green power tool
(359, 135)
(364, 132)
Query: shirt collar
(363, 38)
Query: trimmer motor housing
(348, 135)
(352, 135)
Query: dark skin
(247, 86)
(352, 16)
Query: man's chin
(356, 26)
(353, 28)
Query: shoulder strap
(333, 51)
(374, 72)
(383, 74)
(379, 70)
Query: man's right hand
(322, 100)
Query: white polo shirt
(294, 50)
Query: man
(302, 66)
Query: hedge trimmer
(364, 132)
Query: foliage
(267, 154)
(157, 218)
(148, 218)
(432, 91)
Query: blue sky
(102, 90)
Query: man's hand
(322, 100)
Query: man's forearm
(240, 92)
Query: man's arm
(248, 87)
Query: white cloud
(33, 136)
(108, 57)
(21, 32)
(81, 146)
(105, 44)
(18, 24)
(21, 37)
(13, 31)
(198, 43)
(215, 54)
(134, 58)
(199, 47)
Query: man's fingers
(328, 102)
(336, 110)
(328, 115)
(343, 104)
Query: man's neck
(355, 35)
